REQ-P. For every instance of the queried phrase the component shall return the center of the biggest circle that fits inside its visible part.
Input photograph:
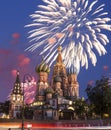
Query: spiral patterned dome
(49, 90)
(57, 79)
(43, 67)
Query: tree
(100, 96)
(81, 108)
(1, 107)
(6, 107)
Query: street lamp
(27, 77)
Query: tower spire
(17, 77)
(17, 86)
(16, 98)
(59, 57)
(59, 67)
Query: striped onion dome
(57, 79)
(43, 67)
(49, 90)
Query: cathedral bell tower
(42, 84)
(73, 85)
(59, 73)
(59, 67)
(16, 99)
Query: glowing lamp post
(28, 78)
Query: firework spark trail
(75, 25)
(29, 91)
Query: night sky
(14, 15)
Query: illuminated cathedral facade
(54, 96)
(53, 100)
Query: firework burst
(29, 91)
(76, 25)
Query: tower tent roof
(17, 78)
(59, 57)
(17, 86)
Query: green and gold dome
(43, 67)
(49, 90)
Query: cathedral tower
(59, 74)
(16, 99)
(73, 85)
(42, 84)
(59, 67)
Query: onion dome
(62, 74)
(57, 79)
(49, 90)
(43, 67)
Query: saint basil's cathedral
(54, 96)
